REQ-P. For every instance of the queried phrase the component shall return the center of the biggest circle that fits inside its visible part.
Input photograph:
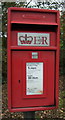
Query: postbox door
(23, 63)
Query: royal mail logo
(33, 39)
(25, 39)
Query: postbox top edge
(31, 9)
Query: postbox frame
(10, 48)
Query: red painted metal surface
(32, 21)
(19, 60)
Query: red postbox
(33, 59)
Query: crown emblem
(26, 39)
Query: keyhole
(19, 81)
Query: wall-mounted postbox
(33, 59)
